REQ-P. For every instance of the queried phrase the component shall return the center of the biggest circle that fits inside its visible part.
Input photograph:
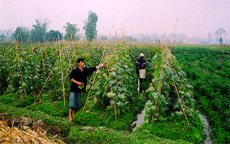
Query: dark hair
(79, 60)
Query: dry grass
(15, 135)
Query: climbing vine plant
(114, 87)
(169, 93)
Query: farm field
(35, 88)
(208, 70)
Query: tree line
(39, 31)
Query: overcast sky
(194, 17)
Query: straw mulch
(15, 135)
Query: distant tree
(54, 36)
(21, 34)
(180, 41)
(114, 39)
(2, 37)
(175, 41)
(38, 33)
(71, 31)
(104, 38)
(90, 26)
(219, 35)
(129, 38)
(221, 41)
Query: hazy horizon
(194, 17)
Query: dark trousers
(74, 100)
(141, 87)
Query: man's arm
(76, 82)
(92, 69)
(72, 78)
(137, 64)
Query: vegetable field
(208, 70)
(35, 84)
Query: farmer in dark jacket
(140, 64)
(78, 78)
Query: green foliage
(10, 99)
(71, 32)
(21, 34)
(168, 89)
(53, 108)
(208, 72)
(90, 26)
(38, 33)
(115, 88)
(118, 125)
(104, 135)
(54, 36)
(17, 100)
(92, 119)
(174, 130)
(29, 71)
(200, 49)
(97, 118)
(114, 91)
(164, 115)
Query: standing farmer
(78, 78)
(140, 64)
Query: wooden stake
(45, 83)
(42, 57)
(11, 80)
(60, 54)
(93, 84)
(159, 90)
(17, 57)
(115, 111)
(180, 100)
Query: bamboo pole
(115, 111)
(45, 83)
(103, 55)
(174, 33)
(159, 90)
(60, 55)
(159, 87)
(42, 57)
(67, 53)
(17, 57)
(88, 94)
(180, 100)
(63, 86)
(11, 80)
